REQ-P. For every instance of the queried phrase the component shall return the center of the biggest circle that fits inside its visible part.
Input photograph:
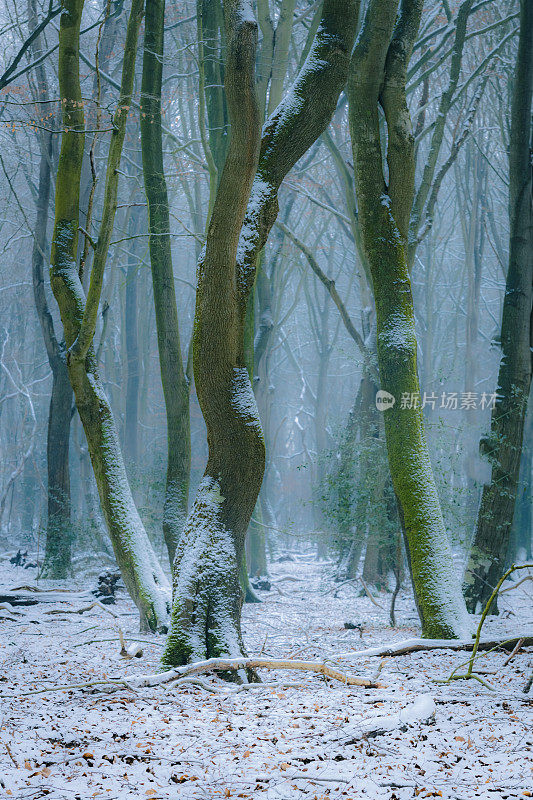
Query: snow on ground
(302, 737)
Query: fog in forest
(265, 352)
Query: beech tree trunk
(174, 380)
(207, 596)
(57, 556)
(131, 324)
(378, 77)
(503, 446)
(138, 563)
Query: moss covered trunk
(378, 77)
(57, 558)
(503, 447)
(140, 569)
(207, 593)
(175, 384)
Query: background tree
(503, 446)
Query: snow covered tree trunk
(140, 569)
(207, 593)
(378, 77)
(503, 447)
(175, 383)
(207, 596)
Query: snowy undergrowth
(309, 739)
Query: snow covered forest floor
(294, 736)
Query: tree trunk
(503, 446)
(175, 383)
(131, 420)
(138, 563)
(207, 593)
(57, 558)
(257, 544)
(378, 77)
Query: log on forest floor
(220, 665)
(29, 596)
(414, 645)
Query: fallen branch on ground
(369, 594)
(414, 645)
(31, 596)
(420, 712)
(515, 650)
(96, 604)
(233, 664)
(220, 665)
(9, 608)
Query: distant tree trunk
(131, 419)
(257, 548)
(378, 77)
(138, 563)
(503, 446)
(57, 560)
(28, 491)
(207, 596)
(174, 380)
(57, 557)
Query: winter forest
(266, 453)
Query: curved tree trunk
(207, 596)
(378, 77)
(138, 563)
(503, 447)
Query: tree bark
(57, 557)
(378, 77)
(138, 563)
(207, 596)
(131, 323)
(503, 447)
(174, 380)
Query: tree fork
(378, 77)
(207, 594)
(138, 563)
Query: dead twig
(515, 650)
(369, 594)
(95, 604)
